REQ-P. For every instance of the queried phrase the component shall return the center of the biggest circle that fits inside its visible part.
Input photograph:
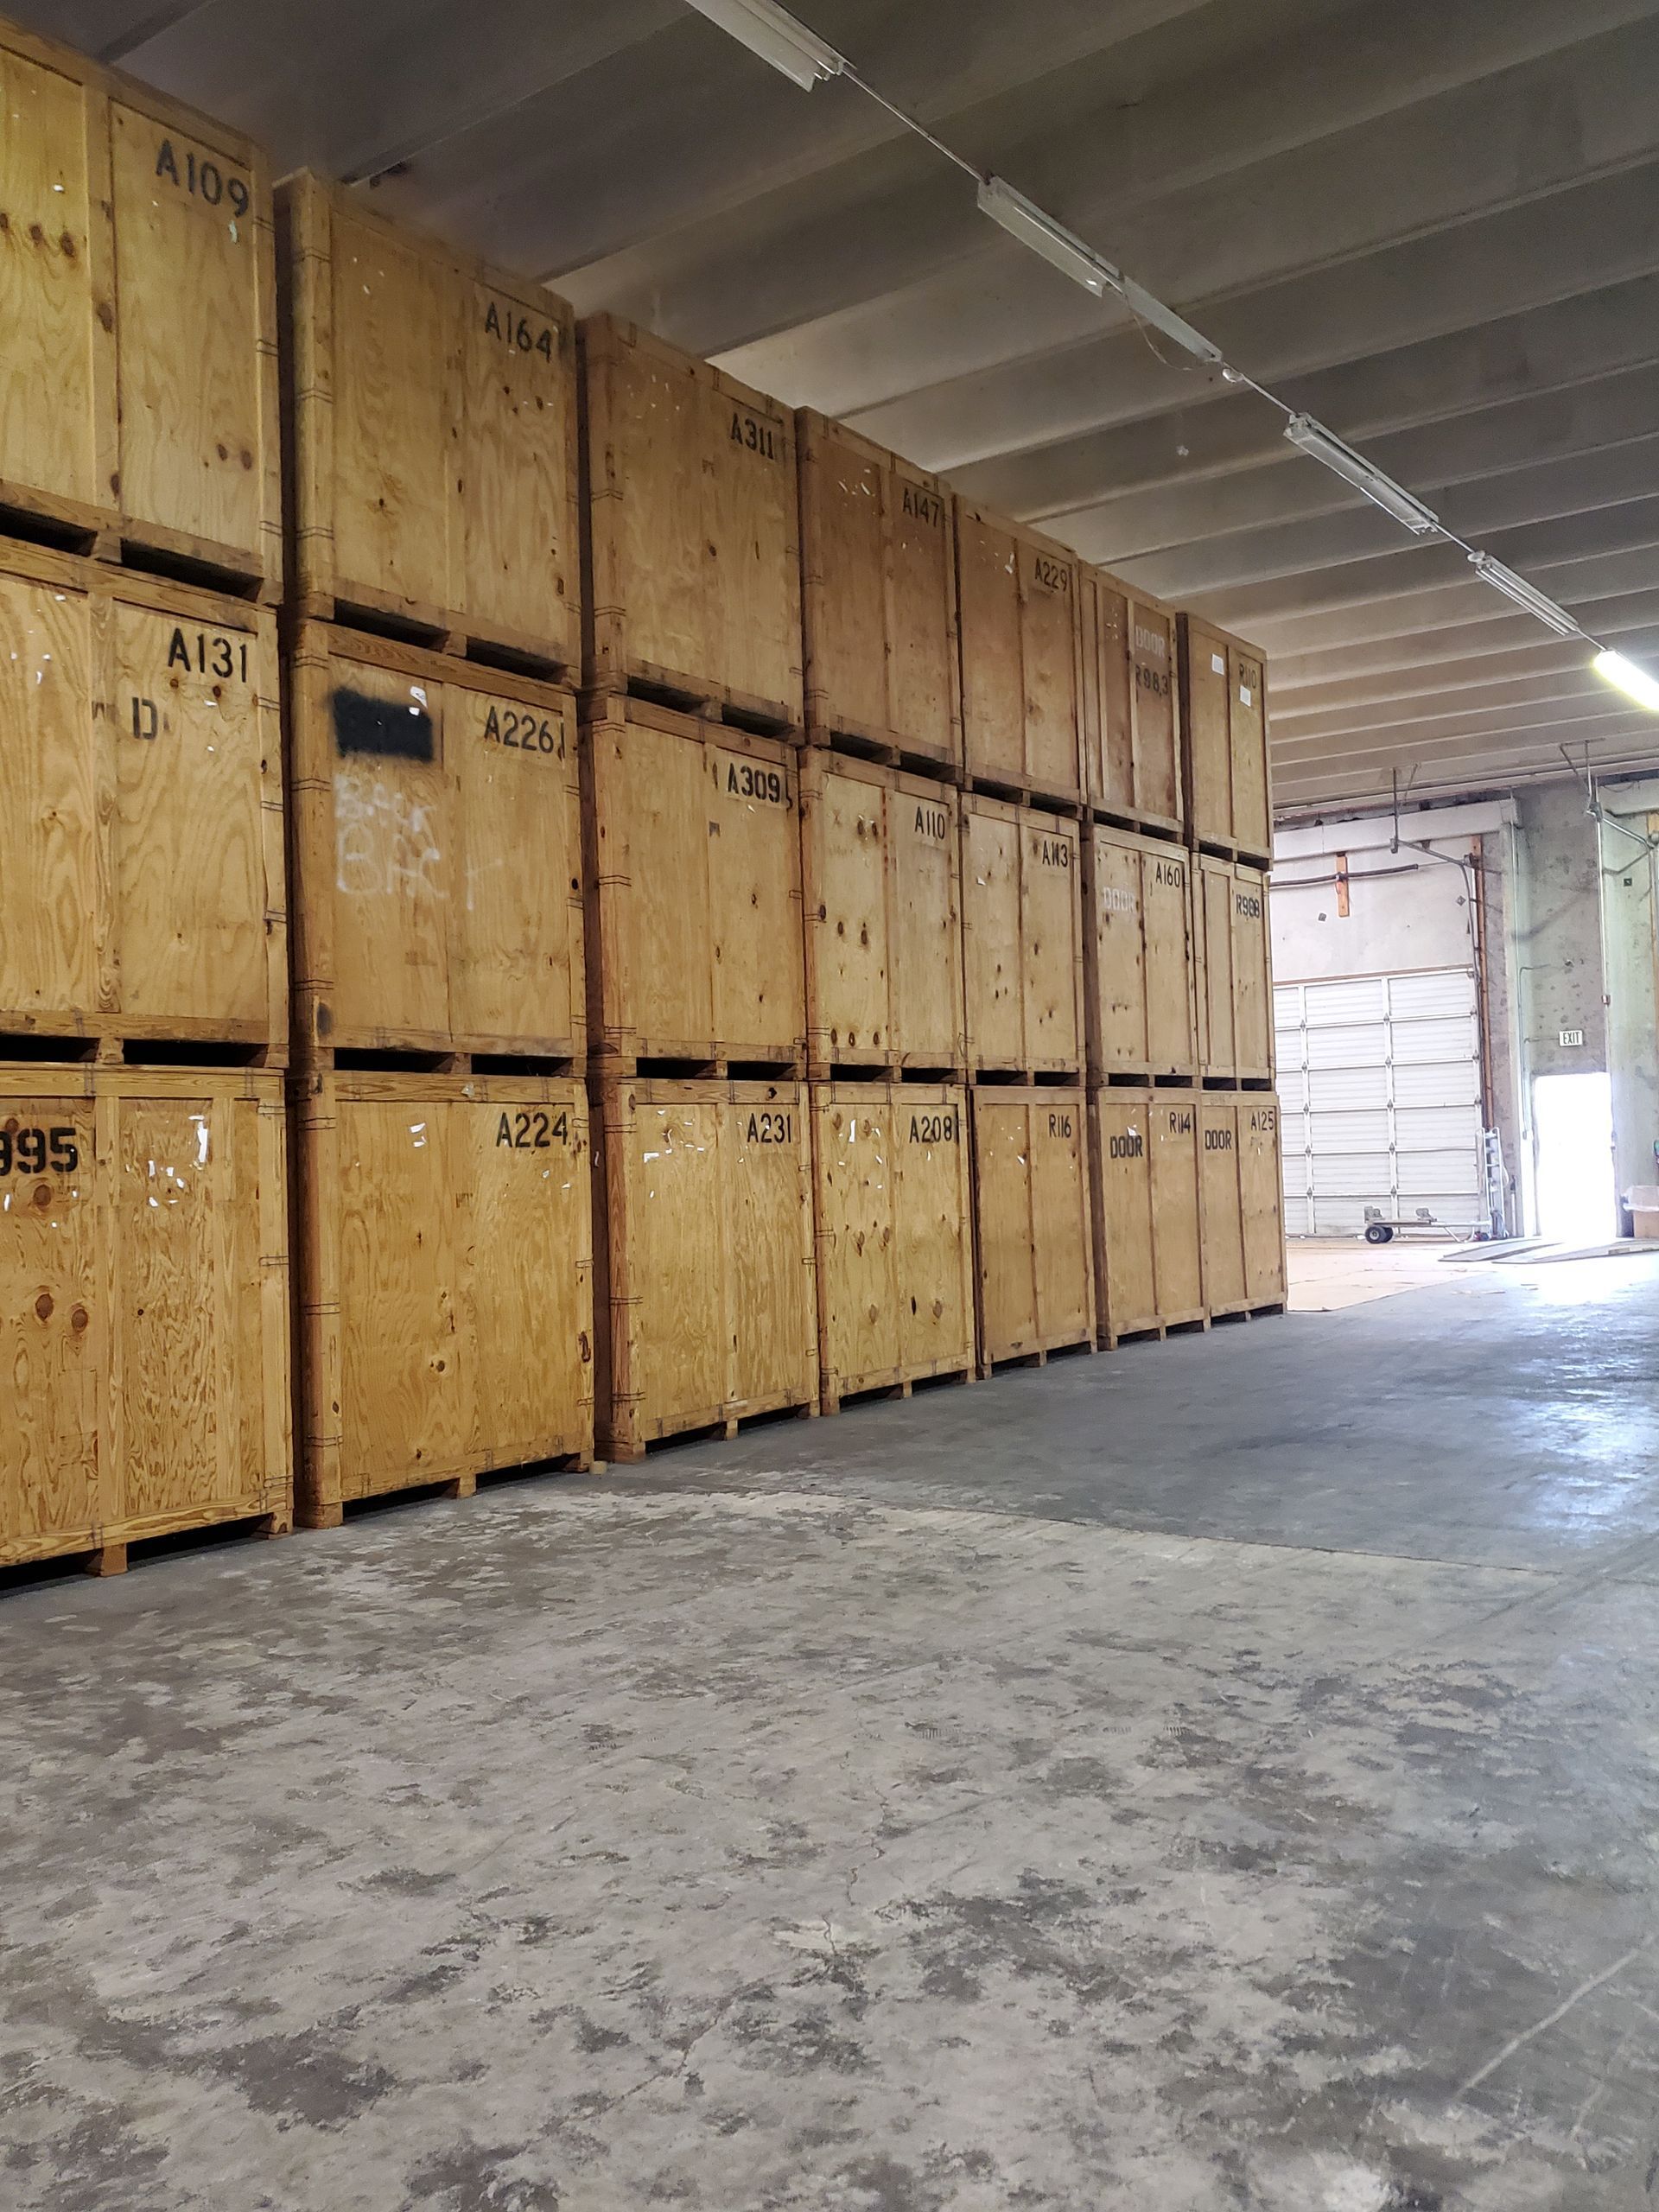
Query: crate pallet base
(691, 695)
(1011, 1078)
(1259, 1312)
(1070, 804)
(115, 1040)
(1254, 1083)
(560, 1059)
(378, 614)
(885, 748)
(426, 1488)
(1144, 1077)
(106, 1551)
(1037, 1358)
(835, 1401)
(1192, 1324)
(709, 1428)
(1220, 848)
(674, 1067)
(884, 1070)
(121, 542)
(1165, 827)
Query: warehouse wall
(1630, 901)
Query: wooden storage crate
(1035, 1290)
(706, 1305)
(1243, 1203)
(881, 874)
(1131, 710)
(1139, 970)
(1235, 972)
(1022, 939)
(878, 601)
(436, 852)
(432, 437)
(1224, 703)
(143, 1306)
(445, 1281)
(1021, 658)
(893, 1211)
(141, 810)
(693, 868)
(140, 414)
(691, 532)
(1145, 1184)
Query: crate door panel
(920, 660)
(1262, 1188)
(1208, 735)
(991, 925)
(1007, 1255)
(1121, 932)
(1048, 587)
(656, 848)
(192, 375)
(1252, 810)
(1224, 1225)
(396, 858)
(858, 1208)
(516, 957)
(1123, 1163)
(993, 664)
(925, 849)
(1252, 986)
(773, 1327)
(48, 845)
(665, 575)
(754, 859)
(176, 1196)
(1059, 1215)
(396, 340)
(1171, 1011)
(677, 1207)
(54, 1320)
(850, 828)
(1218, 1032)
(849, 675)
(190, 868)
(532, 1276)
(754, 523)
(405, 1200)
(514, 562)
(48, 397)
(1175, 1207)
(1051, 913)
(1112, 770)
(934, 1232)
(1157, 747)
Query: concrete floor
(1221, 1775)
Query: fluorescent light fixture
(1063, 250)
(1624, 676)
(1322, 445)
(773, 34)
(1524, 595)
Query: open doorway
(1573, 1133)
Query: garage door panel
(1438, 1082)
(1342, 1005)
(1447, 991)
(1353, 1175)
(1439, 1128)
(1345, 1089)
(1424, 1174)
(1418, 1042)
(1348, 1133)
(1356, 1046)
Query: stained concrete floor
(1220, 1776)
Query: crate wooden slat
(141, 408)
(1145, 1183)
(445, 1269)
(1018, 606)
(705, 1304)
(1224, 708)
(1243, 1203)
(881, 874)
(693, 868)
(432, 410)
(143, 1306)
(1132, 742)
(1140, 970)
(142, 876)
(436, 852)
(893, 1206)
(691, 532)
(1022, 938)
(1033, 1240)
(877, 599)
(1236, 1042)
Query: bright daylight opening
(1572, 1128)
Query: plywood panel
(1223, 1221)
(1032, 1217)
(1205, 735)
(1120, 1180)
(1261, 1184)
(1140, 973)
(1018, 598)
(1022, 931)
(1172, 1121)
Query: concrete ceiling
(1433, 223)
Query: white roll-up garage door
(1379, 1081)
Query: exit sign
(1571, 1036)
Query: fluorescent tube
(1624, 676)
(1524, 594)
(1322, 445)
(773, 34)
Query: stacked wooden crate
(691, 735)
(1026, 954)
(143, 1248)
(1225, 774)
(443, 1168)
